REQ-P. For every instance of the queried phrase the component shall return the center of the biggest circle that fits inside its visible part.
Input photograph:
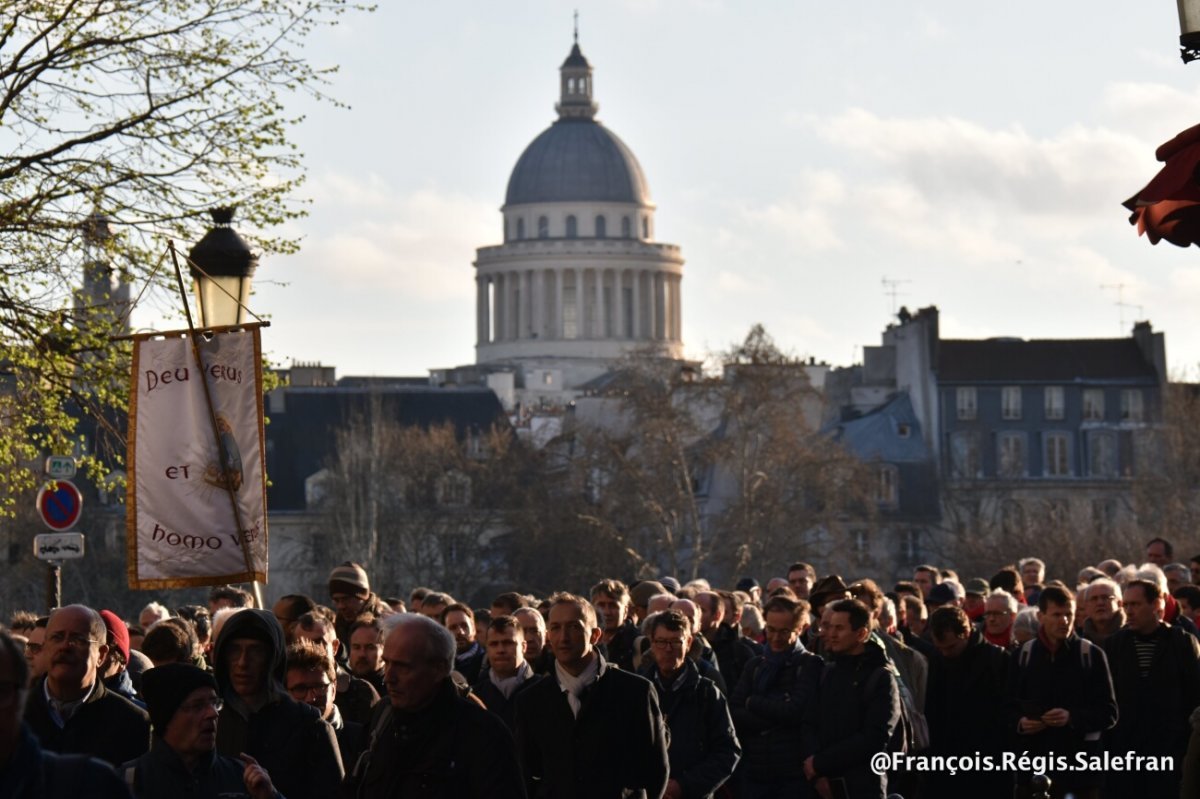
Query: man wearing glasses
(183, 760)
(703, 748)
(69, 709)
(312, 678)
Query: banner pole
(222, 453)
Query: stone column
(580, 330)
(557, 332)
(538, 298)
(498, 306)
(678, 308)
(635, 281)
(618, 305)
(481, 310)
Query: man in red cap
(113, 668)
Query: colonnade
(578, 303)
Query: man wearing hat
(183, 759)
(350, 592)
(975, 603)
(113, 668)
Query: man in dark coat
(508, 673)
(611, 600)
(965, 705)
(704, 748)
(1156, 675)
(183, 760)
(459, 619)
(70, 710)
(1060, 695)
(26, 770)
(260, 719)
(771, 705)
(858, 707)
(426, 741)
(590, 730)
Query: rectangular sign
(60, 466)
(181, 528)
(58, 546)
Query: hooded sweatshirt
(288, 738)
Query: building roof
(576, 58)
(577, 159)
(302, 434)
(1043, 361)
(890, 433)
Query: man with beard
(366, 652)
(468, 657)
(183, 759)
(70, 709)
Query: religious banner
(181, 526)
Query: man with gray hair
(426, 740)
(70, 710)
(1102, 598)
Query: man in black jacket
(589, 731)
(858, 709)
(1060, 695)
(965, 705)
(70, 710)
(610, 598)
(427, 742)
(1156, 675)
(507, 673)
(771, 706)
(182, 760)
(704, 748)
(459, 619)
(260, 719)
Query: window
(887, 485)
(601, 227)
(903, 429)
(1012, 517)
(1102, 453)
(1054, 402)
(626, 228)
(572, 227)
(520, 229)
(964, 455)
(543, 227)
(967, 403)
(1093, 404)
(570, 85)
(862, 545)
(645, 227)
(1132, 408)
(454, 490)
(1011, 455)
(910, 545)
(1010, 402)
(1057, 455)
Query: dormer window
(543, 227)
(572, 227)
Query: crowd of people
(793, 689)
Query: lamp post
(223, 287)
(1189, 29)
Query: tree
(148, 112)
(420, 505)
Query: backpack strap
(1026, 653)
(1085, 654)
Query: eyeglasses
(302, 692)
(199, 706)
(997, 613)
(8, 693)
(74, 640)
(668, 643)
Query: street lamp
(224, 274)
(1189, 29)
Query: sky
(801, 153)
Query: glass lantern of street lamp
(224, 274)
(1189, 29)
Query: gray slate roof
(577, 160)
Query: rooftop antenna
(577, 26)
(891, 288)
(1122, 305)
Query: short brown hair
(307, 656)
(461, 608)
(1054, 595)
(613, 589)
(502, 623)
(797, 607)
(949, 620)
(585, 608)
(673, 620)
(510, 600)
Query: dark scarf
(773, 663)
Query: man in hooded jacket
(288, 738)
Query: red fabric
(1169, 206)
(1171, 609)
(1002, 640)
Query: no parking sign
(60, 504)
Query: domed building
(579, 281)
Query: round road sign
(59, 504)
